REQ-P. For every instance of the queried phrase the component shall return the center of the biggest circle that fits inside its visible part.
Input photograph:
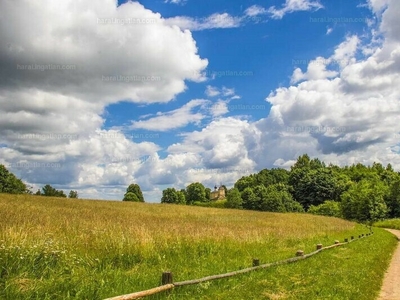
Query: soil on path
(391, 283)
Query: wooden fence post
(166, 278)
(256, 262)
(319, 246)
(346, 240)
(300, 253)
(336, 242)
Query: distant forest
(357, 192)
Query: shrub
(328, 208)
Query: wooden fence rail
(168, 283)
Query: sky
(96, 95)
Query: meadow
(52, 248)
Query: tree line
(356, 192)
(10, 184)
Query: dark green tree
(365, 201)
(393, 200)
(279, 199)
(249, 199)
(9, 183)
(314, 186)
(73, 194)
(302, 162)
(208, 193)
(183, 191)
(134, 189)
(170, 195)
(234, 199)
(195, 192)
(279, 176)
(273, 176)
(358, 172)
(50, 191)
(245, 182)
(181, 197)
(273, 200)
(260, 191)
(132, 197)
(265, 178)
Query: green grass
(52, 248)
(353, 271)
(391, 223)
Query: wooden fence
(168, 284)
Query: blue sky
(262, 50)
(94, 97)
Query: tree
(184, 193)
(234, 199)
(364, 201)
(73, 194)
(260, 191)
(314, 186)
(181, 197)
(50, 191)
(195, 192)
(208, 193)
(279, 199)
(245, 182)
(134, 189)
(249, 199)
(393, 200)
(132, 197)
(265, 178)
(273, 200)
(279, 175)
(170, 195)
(9, 183)
(359, 172)
(302, 162)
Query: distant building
(218, 193)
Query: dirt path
(391, 283)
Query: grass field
(391, 223)
(52, 248)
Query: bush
(328, 208)
(218, 203)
